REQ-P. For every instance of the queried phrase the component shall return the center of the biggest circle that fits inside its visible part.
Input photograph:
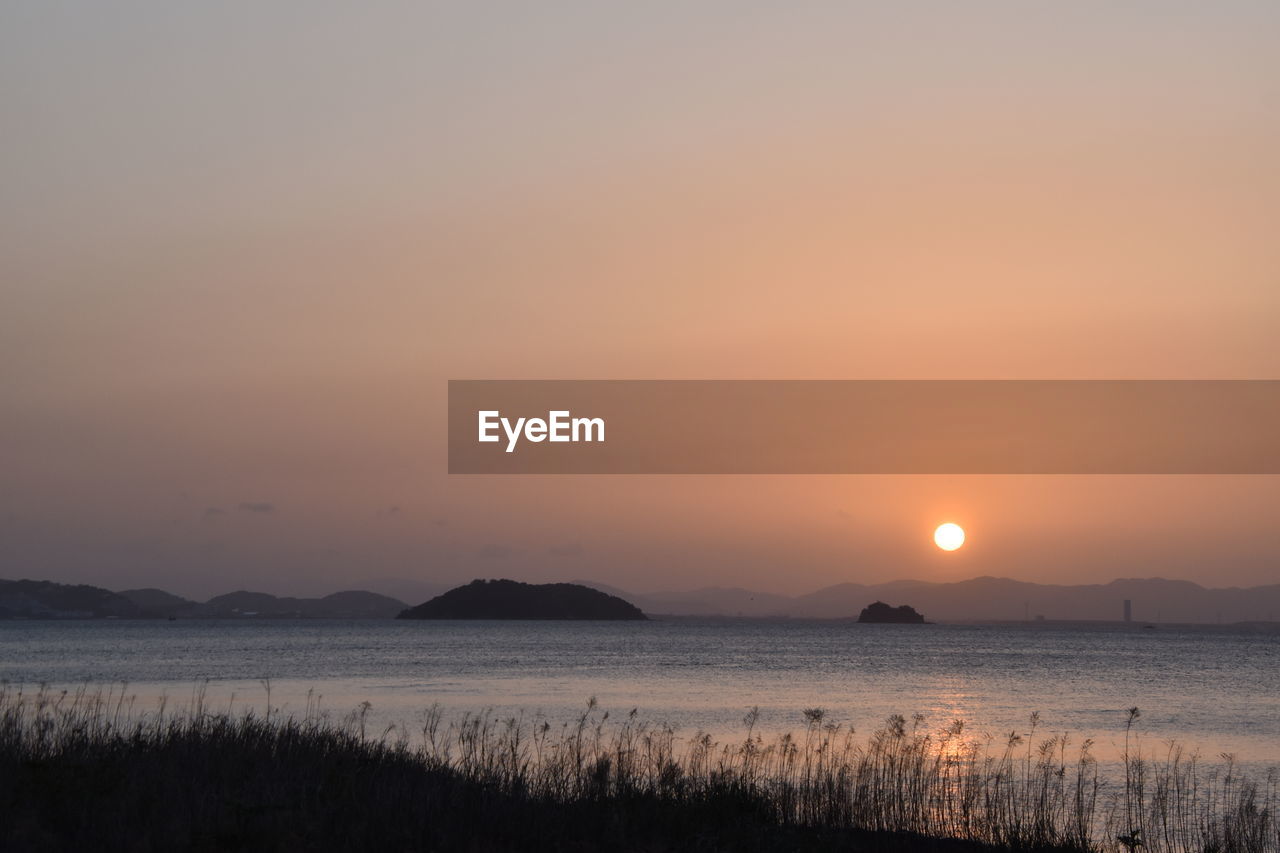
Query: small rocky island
(881, 612)
(507, 599)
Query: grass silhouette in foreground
(83, 770)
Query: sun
(948, 536)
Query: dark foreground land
(273, 793)
(84, 772)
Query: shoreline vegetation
(88, 770)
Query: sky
(244, 246)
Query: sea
(1213, 689)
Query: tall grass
(453, 781)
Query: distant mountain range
(27, 599)
(983, 599)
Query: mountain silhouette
(157, 602)
(28, 599)
(351, 604)
(982, 599)
(985, 599)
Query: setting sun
(949, 536)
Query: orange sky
(243, 250)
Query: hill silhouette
(508, 599)
(157, 602)
(28, 599)
(352, 604)
(981, 599)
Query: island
(508, 599)
(881, 612)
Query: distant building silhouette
(1128, 610)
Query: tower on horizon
(1128, 610)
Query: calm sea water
(1215, 689)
